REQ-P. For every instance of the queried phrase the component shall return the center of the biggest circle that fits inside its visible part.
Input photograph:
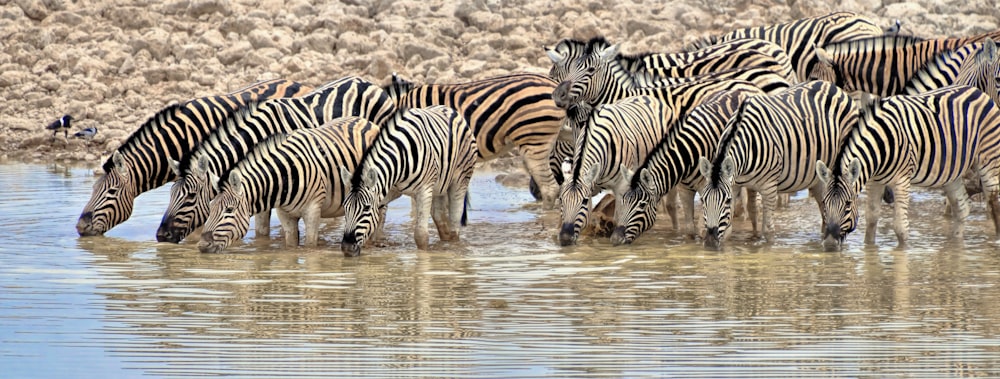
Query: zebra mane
(701, 43)
(894, 41)
(262, 147)
(866, 103)
(154, 122)
(574, 112)
(724, 142)
(397, 86)
(383, 129)
(226, 127)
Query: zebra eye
(191, 196)
(112, 191)
(229, 209)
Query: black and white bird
(895, 28)
(63, 123)
(87, 134)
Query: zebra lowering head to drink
(141, 163)
(425, 153)
(296, 173)
(771, 146)
(927, 140)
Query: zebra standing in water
(425, 153)
(926, 140)
(506, 112)
(612, 136)
(295, 173)
(771, 145)
(674, 162)
(800, 37)
(141, 163)
(190, 194)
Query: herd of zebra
(835, 104)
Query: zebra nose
(561, 94)
(618, 236)
(712, 237)
(85, 225)
(833, 230)
(567, 235)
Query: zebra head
(839, 197)
(112, 199)
(575, 194)
(587, 76)
(635, 211)
(228, 215)
(717, 199)
(189, 200)
(398, 87)
(568, 55)
(362, 208)
(982, 70)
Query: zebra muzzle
(167, 233)
(618, 237)
(567, 235)
(712, 239)
(209, 244)
(85, 225)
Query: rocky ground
(112, 64)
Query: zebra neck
(942, 70)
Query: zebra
(926, 140)
(771, 145)
(141, 163)
(425, 153)
(613, 135)
(603, 80)
(505, 112)
(295, 173)
(800, 37)
(674, 162)
(191, 192)
(568, 54)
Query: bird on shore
(87, 134)
(63, 123)
(895, 28)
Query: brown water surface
(504, 302)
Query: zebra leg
(957, 196)
(310, 218)
(422, 202)
(537, 165)
(262, 224)
(290, 224)
(751, 203)
(378, 234)
(816, 193)
(439, 213)
(739, 196)
(901, 211)
(690, 222)
(769, 196)
(457, 206)
(668, 204)
(874, 207)
(990, 184)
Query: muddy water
(505, 302)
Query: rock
(415, 49)
(232, 54)
(131, 17)
(34, 9)
(905, 11)
(198, 8)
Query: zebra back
(674, 161)
(289, 171)
(188, 206)
(569, 55)
(799, 37)
(893, 65)
(141, 163)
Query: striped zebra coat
(800, 37)
(296, 173)
(926, 140)
(425, 153)
(887, 66)
(141, 163)
(771, 146)
(569, 55)
(191, 192)
(505, 113)
(673, 163)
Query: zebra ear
(214, 179)
(203, 164)
(627, 173)
(345, 176)
(553, 55)
(609, 53)
(853, 171)
(369, 174)
(119, 163)
(175, 166)
(823, 56)
(988, 53)
(235, 178)
(592, 173)
(822, 172)
(647, 179)
(728, 168)
(705, 166)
